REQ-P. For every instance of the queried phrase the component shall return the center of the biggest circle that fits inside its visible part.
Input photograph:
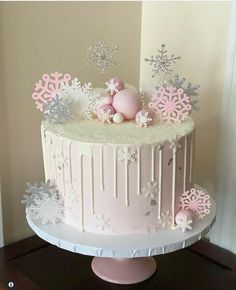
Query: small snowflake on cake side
(48, 87)
(103, 223)
(127, 154)
(151, 189)
(197, 201)
(171, 104)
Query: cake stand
(123, 259)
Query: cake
(117, 161)
(118, 178)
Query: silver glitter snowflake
(58, 110)
(127, 154)
(151, 189)
(161, 64)
(103, 223)
(44, 202)
(165, 219)
(189, 89)
(102, 56)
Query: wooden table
(34, 264)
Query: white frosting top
(92, 131)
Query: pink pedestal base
(124, 271)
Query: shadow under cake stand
(125, 259)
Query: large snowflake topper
(189, 89)
(81, 97)
(58, 110)
(171, 104)
(48, 87)
(196, 201)
(44, 202)
(161, 64)
(127, 154)
(102, 56)
(151, 189)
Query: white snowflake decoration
(171, 104)
(103, 223)
(196, 201)
(112, 86)
(44, 202)
(185, 224)
(162, 63)
(165, 219)
(58, 110)
(80, 95)
(102, 56)
(151, 190)
(94, 100)
(127, 154)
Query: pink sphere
(144, 118)
(107, 100)
(128, 103)
(104, 108)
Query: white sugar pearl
(118, 118)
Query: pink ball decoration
(127, 102)
(115, 85)
(184, 220)
(107, 100)
(105, 113)
(144, 118)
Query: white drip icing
(191, 158)
(153, 162)
(115, 170)
(70, 164)
(160, 179)
(81, 192)
(173, 187)
(92, 183)
(185, 163)
(55, 159)
(101, 167)
(139, 169)
(126, 181)
(63, 165)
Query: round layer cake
(119, 178)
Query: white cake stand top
(124, 246)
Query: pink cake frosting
(119, 178)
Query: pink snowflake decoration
(196, 201)
(48, 87)
(172, 105)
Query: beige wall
(43, 37)
(198, 32)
